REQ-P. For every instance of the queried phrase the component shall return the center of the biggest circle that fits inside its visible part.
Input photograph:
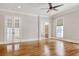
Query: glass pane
(59, 31)
(16, 23)
(9, 23)
(17, 33)
(9, 34)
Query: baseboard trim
(29, 40)
(68, 40)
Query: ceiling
(35, 8)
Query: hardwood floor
(51, 48)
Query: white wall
(29, 26)
(71, 25)
(1, 28)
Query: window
(59, 28)
(59, 31)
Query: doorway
(46, 30)
(59, 28)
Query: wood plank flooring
(49, 48)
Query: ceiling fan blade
(50, 4)
(54, 9)
(58, 6)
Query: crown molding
(18, 12)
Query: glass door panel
(9, 34)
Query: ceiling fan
(51, 7)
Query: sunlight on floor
(46, 50)
(59, 48)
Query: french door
(12, 29)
